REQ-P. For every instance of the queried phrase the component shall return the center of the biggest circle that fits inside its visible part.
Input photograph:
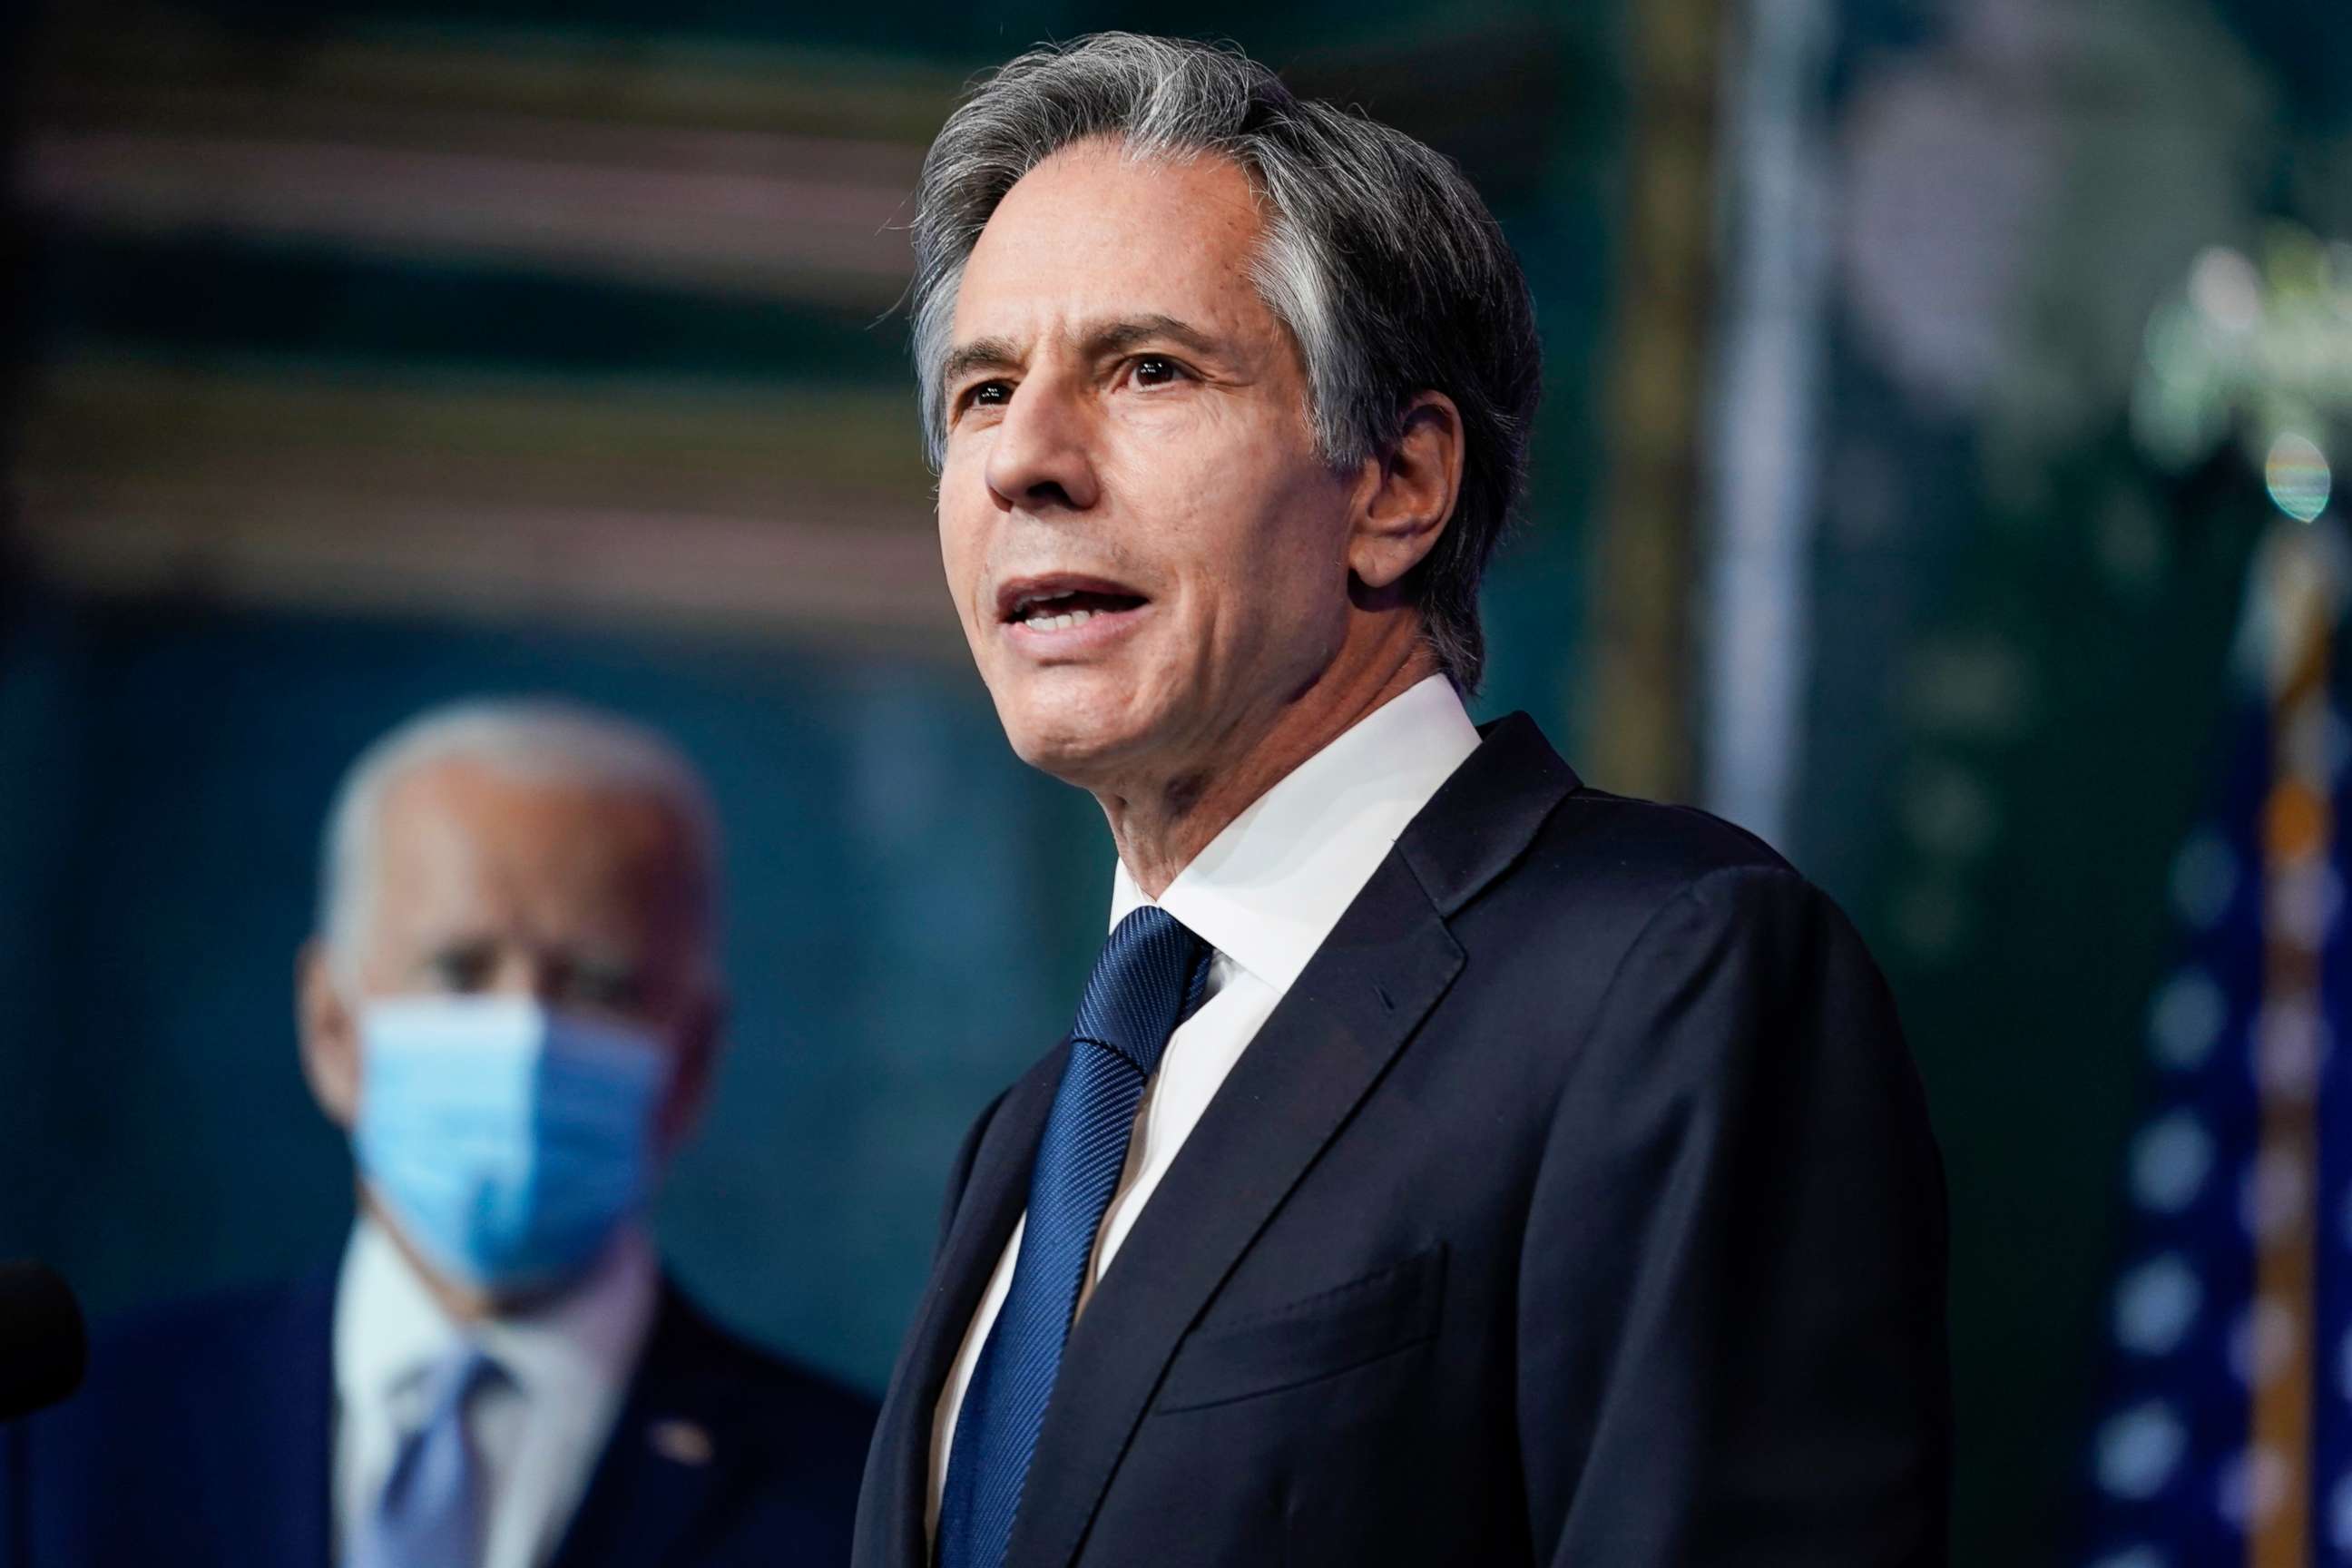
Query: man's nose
(528, 972)
(1041, 459)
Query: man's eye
(609, 988)
(461, 969)
(1157, 370)
(987, 394)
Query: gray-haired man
(512, 1007)
(1448, 1163)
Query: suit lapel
(678, 1445)
(1383, 967)
(992, 1201)
(1356, 1002)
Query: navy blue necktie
(1149, 976)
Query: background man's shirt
(536, 1432)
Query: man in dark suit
(1449, 1163)
(512, 1007)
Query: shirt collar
(389, 1330)
(1270, 888)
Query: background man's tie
(430, 1513)
(1149, 974)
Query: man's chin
(1082, 759)
(1079, 745)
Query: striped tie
(1149, 974)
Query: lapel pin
(685, 1442)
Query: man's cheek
(958, 561)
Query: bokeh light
(2297, 477)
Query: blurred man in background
(513, 1007)
(1448, 1163)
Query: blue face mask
(508, 1141)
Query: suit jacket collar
(1483, 817)
(1269, 888)
(1356, 1005)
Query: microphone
(43, 1351)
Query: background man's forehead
(494, 782)
(453, 810)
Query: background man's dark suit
(204, 1439)
(1578, 1205)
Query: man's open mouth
(1062, 605)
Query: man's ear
(330, 1043)
(1412, 493)
(696, 1070)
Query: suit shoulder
(1627, 858)
(1599, 879)
(216, 1331)
(1605, 877)
(215, 1315)
(159, 1377)
(1646, 944)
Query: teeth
(1038, 615)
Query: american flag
(2224, 1436)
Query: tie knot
(1139, 988)
(457, 1378)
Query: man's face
(488, 883)
(1147, 553)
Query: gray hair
(517, 738)
(1388, 271)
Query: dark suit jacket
(1578, 1205)
(203, 1439)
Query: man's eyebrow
(1106, 338)
(1133, 331)
(980, 354)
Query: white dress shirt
(1264, 894)
(538, 1431)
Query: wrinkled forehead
(1096, 231)
(459, 840)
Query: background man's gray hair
(1388, 270)
(519, 738)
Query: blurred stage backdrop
(1924, 375)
